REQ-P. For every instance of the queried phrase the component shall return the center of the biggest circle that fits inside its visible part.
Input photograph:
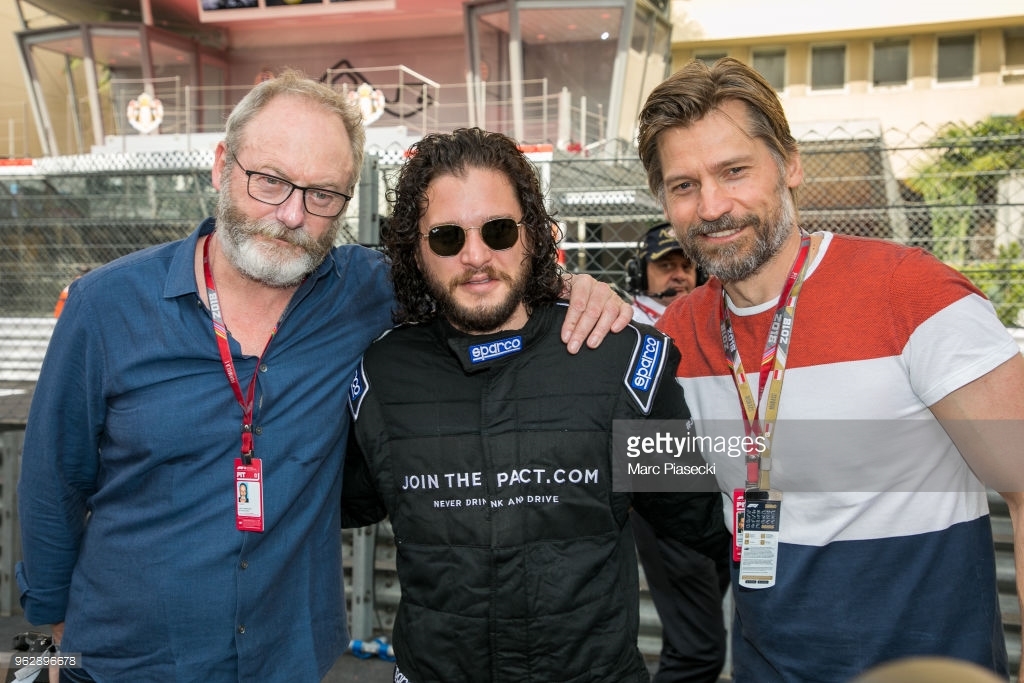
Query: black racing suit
(492, 455)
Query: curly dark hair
(443, 154)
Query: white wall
(737, 19)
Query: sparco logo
(496, 349)
(646, 366)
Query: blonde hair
(295, 83)
(697, 89)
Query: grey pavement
(351, 668)
(348, 669)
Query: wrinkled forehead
(299, 135)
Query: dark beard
(480, 320)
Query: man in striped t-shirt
(873, 388)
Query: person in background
(659, 273)
(181, 370)
(876, 382)
(489, 448)
(686, 589)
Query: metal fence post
(10, 547)
(369, 199)
(361, 613)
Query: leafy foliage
(1002, 281)
(961, 178)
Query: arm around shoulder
(594, 310)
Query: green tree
(1002, 281)
(960, 184)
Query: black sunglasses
(498, 234)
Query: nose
(292, 211)
(715, 201)
(475, 251)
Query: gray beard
(266, 266)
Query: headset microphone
(661, 295)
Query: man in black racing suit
(489, 446)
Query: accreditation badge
(249, 495)
(738, 504)
(759, 559)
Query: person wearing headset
(659, 274)
(686, 591)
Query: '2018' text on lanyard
(773, 366)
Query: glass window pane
(891, 62)
(573, 48)
(828, 67)
(1013, 41)
(956, 58)
(772, 65)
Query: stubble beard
(741, 260)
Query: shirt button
(258, 430)
(241, 629)
(263, 367)
(244, 564)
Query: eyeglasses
(498, 234)
(270, 189)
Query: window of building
(828, 67)
(956, 58)
(1013, 49)
(710, 58)
(890, 64)
(772, 65)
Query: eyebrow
(718, 167)
(740, 160)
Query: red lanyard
(651, 313)
(221, 332)
(758, 459)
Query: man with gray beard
(176, 374)
(882, 387)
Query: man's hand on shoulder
(594, 310)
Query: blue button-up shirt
(127, 493)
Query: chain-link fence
(959, 195)
(971, 215)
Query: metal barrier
(10, 537)
(61, 214)
(23, 343)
